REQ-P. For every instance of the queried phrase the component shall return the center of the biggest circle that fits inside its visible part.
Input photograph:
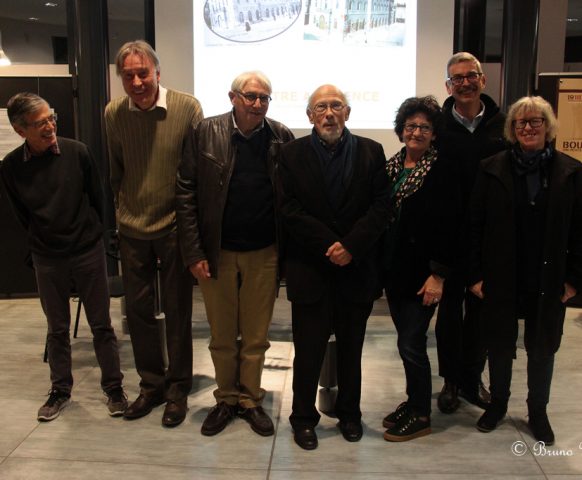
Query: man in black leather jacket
(228, 233)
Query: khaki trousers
(240, 303)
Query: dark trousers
(412, 320)
(312, 327)
(88, 273)
(139, 264)
(540, 368)
(460, 350)
(539, 379)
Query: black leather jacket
(202, 185)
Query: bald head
(328, 111)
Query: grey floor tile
(38, 469)
(84, 442)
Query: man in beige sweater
(145, 133)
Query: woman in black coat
(417, 255)
(526, 256)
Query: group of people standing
(235, 202)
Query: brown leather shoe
(218, 418)
(478, 395)
(448, 400)
(141, 407)
(258, 420)
(175, 412)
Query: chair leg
(77, 319)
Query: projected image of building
(358, 22)
(250, 20)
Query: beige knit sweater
(145, 149)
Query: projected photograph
(365, 47)
(356, 22)
(250, 20)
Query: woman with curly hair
(417, 254)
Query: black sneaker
(411, 426)
(52, 407)
(393, 418)
(116, 402)
(541, 429)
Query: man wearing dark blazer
(334, 205)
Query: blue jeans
(412, 319)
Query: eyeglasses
(52, 119)
(320, 108)
(533, 123)
(411, 127)
(458, 80)
(251, 98)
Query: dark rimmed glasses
(533, 122)
(251, 98)
(458, 80)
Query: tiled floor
(85, 443)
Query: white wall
(175, 44)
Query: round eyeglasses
(320, 108)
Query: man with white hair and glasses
(228, 228)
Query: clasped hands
(338, 255)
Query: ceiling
(56, 15)
(132, 10)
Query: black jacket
(423, 242)
(312, 225)
(202, 184)
(493, 251)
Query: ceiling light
(571, 19)
(51, 4)
(33, 19)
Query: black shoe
(448, 400)
(175, 412)
(490, 418)
(218, 418)
(409, 427)
(305, 437)
(141, 407)
(352, 431)
(258, 420)
(541, 429)
(479, 395)
(393, 418)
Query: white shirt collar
(160, 102)
(470, 125)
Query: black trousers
(412, 319)
(540, 367)
(312, 327)
(88, 272)
(139, 264)
(461, 352)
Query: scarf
(336, 165)
(414, 181)
(532, 165)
